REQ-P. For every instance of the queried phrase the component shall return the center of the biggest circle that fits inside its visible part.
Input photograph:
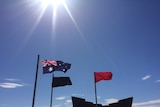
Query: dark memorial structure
(80, 102)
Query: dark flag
(61, 81)
(102, 76)
(50, 66)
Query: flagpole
(35, 83)
(95, 90)
(51, 90)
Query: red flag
(102, 76)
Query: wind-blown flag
(50, 66)
(61, 81)
(98, 76)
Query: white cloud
(11, 79)
(61, 98)
(151, 103)
(10, 85)
(68, 101)
(146, 77)
(112, 100)
(65, 101)
(157, 81)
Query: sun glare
(42, 8)
(51, 2)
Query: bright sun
(51, 2)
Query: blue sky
(94, 36)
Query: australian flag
(50, 66)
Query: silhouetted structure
(80, 102)
(126, 102)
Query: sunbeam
(40, 10)
(38, 19)
(74, 22)
(52, 2)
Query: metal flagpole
(95, 90)
(51, 90)
(35, 83)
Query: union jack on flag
(50, 66)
